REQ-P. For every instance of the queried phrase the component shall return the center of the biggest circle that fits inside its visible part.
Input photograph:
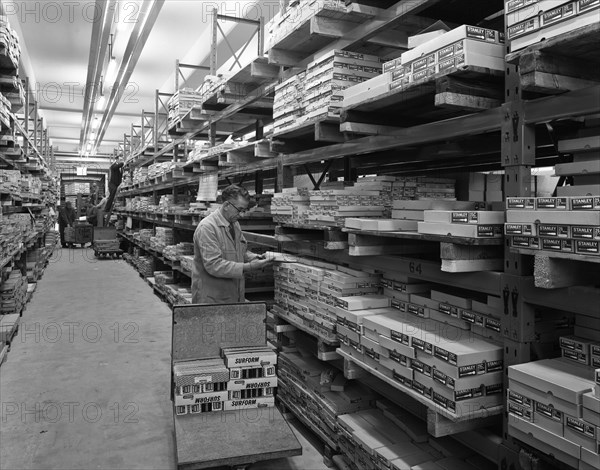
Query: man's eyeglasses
(240, 211)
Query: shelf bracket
(317, 184)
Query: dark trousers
(111, 197)
(61, 231)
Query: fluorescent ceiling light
(111, 72)
(92, 135)
(101, 103)
(95, 123)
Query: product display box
(461, 230)
(539, 433)
(362, 302)
(572, 217)
(552, 378)
(249, 357)
(461, 33)
(464, 217)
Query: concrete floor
(86, 384)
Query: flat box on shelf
(580, 144)
(519, 411)
(249, 403)
(577, 168)
(520, 399)
(461, 230)
(553, 377)
(553, 217)
(464, 217)
(353, 319)
(589, 460)
(526, 203)
(591, 417)
(247, 384)
(398, 347)
(536, 440)
(259, 358)
(585, 232)
(433, 204)
(457, 34)
(549, 203)
(579, 190)
(362, 302)
(578, 357)
(517, 11)
(549, 418)
(529, 230)
(541, 434)
(587, 247)
(576, 344)
(580, 432)
(346, 334)
(200, 398)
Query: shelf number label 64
(415, 268)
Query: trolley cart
(106, 244)
(233, 439)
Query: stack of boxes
(307, 293)
(181, 103)
(12, 293)
(460, 47)
(332, 207)
(554, 224)
(318, 94)
(291, 206)
(469, 224)
(296, 15)
(530, 21)
(554, 405)
(9, 42)
(244, 377)
(420, 342)
(313, 391)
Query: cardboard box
(580, 432)
(536, 29)
(590, 460)
(399, 347)
(258, 358)
(451, 37)
(536, 439)
(528, 230)
(518, 11)
(578, 168)
(549, 418)
(464, 217)
(244, 404)
(520, 400)
(578, 191)
(585, 232)
(461, 230)
(519, 411)
(248, 384)
(552, 203)
(573, 217)
(551, 377)
(362, 302)
(200, 398)
(525, 203)
(541, 434)
(587, 247)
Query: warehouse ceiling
(61, 42)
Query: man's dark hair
(233, 191)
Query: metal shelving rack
(512, 137)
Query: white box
(457, 34)
(461, 230)
(539, 433)
(363, 302)
(246, 384)
(551, 377)
(464, 217)
(578, 191)
(523, 10)
(572, 217)
(200, 398)
(249, 403)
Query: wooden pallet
(9, 326)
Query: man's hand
(257, 264)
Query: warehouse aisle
(86, 383)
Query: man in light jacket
(220, 252)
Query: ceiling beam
(134, 49)
(78, 111)
(98, 48)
